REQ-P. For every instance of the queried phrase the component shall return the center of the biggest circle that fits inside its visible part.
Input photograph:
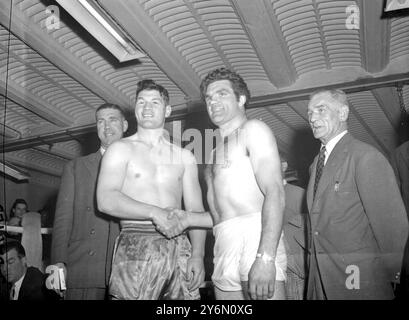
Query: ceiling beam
(150, 37)
(35, 37)
(349, 87)
(74, 133)
(388, 100)
(300, 108)
(33, 165)
(371, 133)
(33, 103)
(30, 142)
(289, 97)
(374, 33)
(264, 30)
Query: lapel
(336, 159)
(26, 285)
(405, 154)
(92, 162)
(310, 189)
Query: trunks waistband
(139, 227)
(142, 228)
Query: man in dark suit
(357, 217)
(26, 283)
(83, 238)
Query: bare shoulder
(255, 126)
(256, 130)
(188, 157)
(119, 148)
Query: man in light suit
(357, 217)
(83, 238)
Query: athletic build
(142, 178)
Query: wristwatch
(265, 257)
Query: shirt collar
(332, 143)
(17, 286)
(102, 150)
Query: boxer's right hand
(167, 222)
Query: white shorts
(235, 249)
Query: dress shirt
(332, 143)
(15, 289)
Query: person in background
(295, 232)
(83, 237)
(18, 209)
(357, 217)
(26, 283)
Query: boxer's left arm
(192, 196)
(265, 160)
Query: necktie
(12, 292)
(320, 167)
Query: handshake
(170, 221)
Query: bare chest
(154, 166)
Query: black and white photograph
(205, 150)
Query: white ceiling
(51, 81)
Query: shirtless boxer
(245, 196)
(141, 178)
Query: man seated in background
(26, 283)
(18, 209)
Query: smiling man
(245, 196)
(83, 238)
(142, 178)
(358, 220)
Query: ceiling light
(14, 171)
(392, 5)
(98, 23)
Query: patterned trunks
(147, 266)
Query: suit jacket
(33, 287)
(358, 224)
(83, 238)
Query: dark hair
(16, 202)
(152, 85)
(239, 86)
(13, 244)
(110, 106)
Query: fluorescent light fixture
(13, 171)
(98, 23)
(392, 5)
